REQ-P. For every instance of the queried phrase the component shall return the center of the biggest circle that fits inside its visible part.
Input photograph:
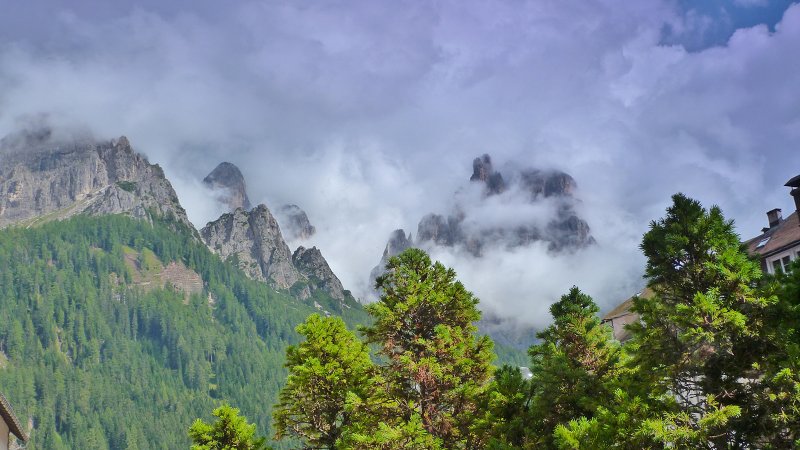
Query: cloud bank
(368, 114)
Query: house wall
(3, 434)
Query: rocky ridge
(42, 180)
(318, 273)
(255, 240)
(565, 231)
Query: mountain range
(112, 297)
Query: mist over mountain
(368, 116)
(228, 179)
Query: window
(763, 242)
(781, 265)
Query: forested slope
(99, 352)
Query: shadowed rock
(228, 179)
(295, 222)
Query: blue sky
(722, 17)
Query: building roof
(8, 415)
(784, 235)
(794, 182)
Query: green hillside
(101, 349)
(116, 333)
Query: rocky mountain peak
(564, 231)
(227, 178)
(551, 183)
(483, 171)
(42, 179)
(315, 268)
(295, 222)
(254, 239)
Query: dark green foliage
(702, 332)
(229, 432)
(128, 186)
(507, 409)
(96, 362)
(572, 368)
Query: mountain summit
(496, 219)
(43, 180)
(229, 179)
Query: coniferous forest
(98, 351)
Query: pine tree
(330, 368)
(781, 396)
(436, 366)
(230, 432)
(701, 333)
(572, 367)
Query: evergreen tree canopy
(230, 432)
(325, 370)
(573, 366)
(436, 366)
(702, 332)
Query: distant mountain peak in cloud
(228, 178)
(533, 206)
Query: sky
(368, 114)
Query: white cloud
(368, 114)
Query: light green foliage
(436, 367)
(328, 369)
(407, 434)
(229, 432)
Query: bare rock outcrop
(483, 171)
(228, 180)
(310, 263)
(254, 239)
(42, 180)
(398, 241)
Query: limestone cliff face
(315, 268)
(42, 181)
(229, 181)
(255, 239)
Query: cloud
(368, 114)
